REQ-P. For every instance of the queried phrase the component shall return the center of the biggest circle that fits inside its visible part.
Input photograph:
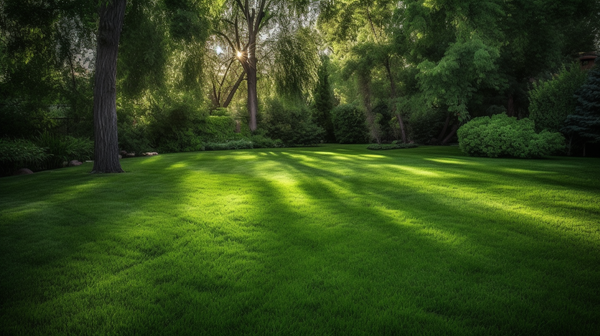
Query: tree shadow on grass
(229, 245)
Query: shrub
(235, 144)
(134, 138)
(64, 148)
(349, 124)
(217, 129)
(261, 141)
(220, 112)
(552, 101)
(172, 129)
(392, 146)
(503, 136)
(15, 154)
(181, 141)
(291, 124)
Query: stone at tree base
(74, 163)
(120, 157)
(23, 171)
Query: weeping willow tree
(249, 23)
(162, 70)
(296, 63)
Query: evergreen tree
(585, 123)
(324, 101)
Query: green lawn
(331, 240)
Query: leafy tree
(585, 122)
(248, 19)
(360, 29)
(323, 100)
(469, 50)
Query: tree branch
(227, 39)
(234, 89)
(261, 14)
(242, 8)
(237, 33)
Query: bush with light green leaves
(504, 136)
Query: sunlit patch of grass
(304, 241)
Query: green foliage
(292, 124)
(426, 123)
(217, 129)
(392, 146)
(20, 153)
(552, 101)
(64, 148)
(234, 144)
(296, 63)
(186, 23)
(23, 118)
(386, 122)
(220, 112)
(503, 136)
(349, 124)
(134, 138)
(173, 123)
(585, 122)
(181, 141)
(467, 65)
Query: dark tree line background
(298, 71)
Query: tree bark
(106, 141)
(234, 90)
(451, 134)
(251, 72)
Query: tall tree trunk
(106, 141)
(251, 67)
(252, 99)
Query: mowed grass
(332, 240)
